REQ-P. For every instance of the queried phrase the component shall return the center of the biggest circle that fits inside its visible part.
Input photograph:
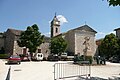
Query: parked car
(64, 56)
(38, 56)
(24, 57)
(14, 59)
(115, 59)
(53, 58)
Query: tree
(58, 45)
(31, 38)
(118, 51)
(109, 46)
(114, 2)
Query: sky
(19, 14)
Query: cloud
(102, 34)
(114, 32)
(62, 19)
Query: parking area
(45, 70)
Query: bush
(78, 58)
(4, 56)
(81, 58)
(89, 58)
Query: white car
(64, 56)
(38, 56)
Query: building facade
(8, 40)
(117, 33)
(1, 40)
(80, 40)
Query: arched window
(56, 30)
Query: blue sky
(18, 14)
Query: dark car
(115, 59)
(14, 59)
(53, 58)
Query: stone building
(117, 32)
(80, 40)
(8, 40)
(1, 40)
(55, 27)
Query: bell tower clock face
(56, 22)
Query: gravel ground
(44, 70)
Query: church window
(56, 30)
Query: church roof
(85, 28)
(116, 29)
(14, 31)
(55, 19)
(47, 39)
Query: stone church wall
(79, 43)
(9, 42)
(70, 37)
(118, 33)
(1, 42)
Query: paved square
(44, 70)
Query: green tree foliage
(58, 45)
(118, 51)
(31, 38)
(114, 2)
(109, 46)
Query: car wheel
(8, 62)
(19, 62)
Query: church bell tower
(55, 27)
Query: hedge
(3, 56)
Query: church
(81, 40)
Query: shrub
(89, 58)
(4, 56)
(78, 58)
(81, 58)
